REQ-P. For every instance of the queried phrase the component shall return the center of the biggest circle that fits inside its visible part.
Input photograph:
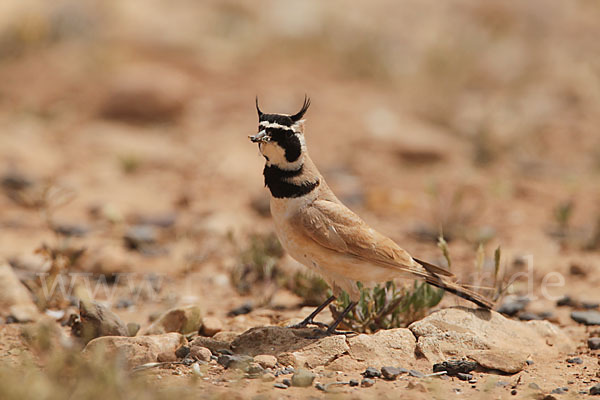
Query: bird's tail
(459, 290)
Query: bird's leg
(331, 329)
(309, 320)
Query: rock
(386, 347)
(97, 320)
(184, 320)
(454, 367)
(594, 343)
(565, 301)
(134, 350)
(75, 230)
(586, 317)
(464, 377)
(529, 316)
(266, 360)
(560, 390)
(417, 386)
(371, 372)
(272, 340)
(135, 95)
(303, 378)
(416, 374)
(30, 262)
(367, 382)
(280, 386)
(390, 373)
(226, 336)
(322, 352)
(287, 359)
(595, 390)
(235, 361)
(15, 299)
(353, 382)
(511, 308)
(166, 356)
(211, 343)
(241, 310)
(139, 237)
(133, 328)
(211, 326)
(182, 351)
(267, 377)
(254, 370)
(200, 353)
(287, 382)
(575, 360)
(487, 337)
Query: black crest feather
(296, 117)
(260, 113)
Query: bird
(319, 231)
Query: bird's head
(280, 137)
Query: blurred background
(123, 130)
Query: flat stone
(211, 326)
(134, 350)
(200, 353)
(594, 343)
(390, 373)
(266, 360)
(280, 386)
(371, 372)
(183, 320)
(454, 367)
(488, 338)
(586, 317)
(595, 390)
(464, 377)
(575, 360)
(321, 352)
(210, 343)
(303, 378)
(384, 348)
(272, 340)
(166, 356)
(367, 382)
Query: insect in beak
(260, 137)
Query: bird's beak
(260, 137)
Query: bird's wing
(336, 227)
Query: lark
(317, 230)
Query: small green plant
(562, 215)
(257, 263)
(129, 163)
(386, 306)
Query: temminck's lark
(320, 232)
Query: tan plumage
(322, 233)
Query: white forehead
(267, 124)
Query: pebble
(534, 386)
(565, 301)
(196, 369)
(529, 362)
(133, 328)
(182, 351)
(367, 382)
(254, 370)
(595, 390)
(586, 317)
(511, 308)
(166, 356)
(287, 382)
(353, 382)
(560, 390)
(320, 387)
(390, 373)
(267, 377)
(241, 310)
(371, 372)
(280, 386)
(513, 392)
(211, 326)
(200, 353)
(464, 377)
(139, 236)
(266, 360)
(236, 361)
(594, 343)
(453, 367)
(575, 360)
(416, 374)
(529, 316)
(303, 378)
(590, 305)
